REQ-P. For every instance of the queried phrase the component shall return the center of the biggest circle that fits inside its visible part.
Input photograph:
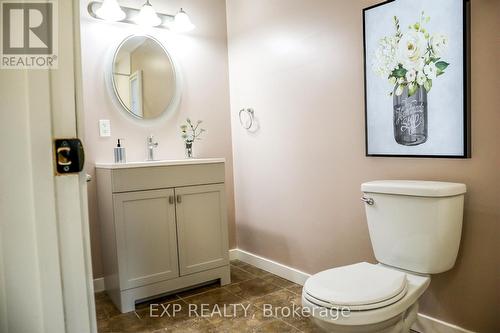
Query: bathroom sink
(140, 164)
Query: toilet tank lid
(418, 188)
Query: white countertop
(142, 164)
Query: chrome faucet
(151, 145)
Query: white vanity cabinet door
(201, 227)
(146, 237)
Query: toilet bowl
(415, 229)
(364, 297)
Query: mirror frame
(169, 110)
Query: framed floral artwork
(417, 78)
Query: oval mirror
(144, 77)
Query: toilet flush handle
(369, 201)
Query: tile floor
(250, 289)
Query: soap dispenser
(119, 153)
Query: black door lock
(70, 155)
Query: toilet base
(398, 324)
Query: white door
(201, 227)
(145, 237)
(135, 83)
(45, 271)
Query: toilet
(415, 229)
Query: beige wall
(297, 181)
(202, 55)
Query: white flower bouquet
(189, 133)
(411, 59)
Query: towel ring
(250, 118)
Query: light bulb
(182, 23)
(110, 10)
(147, 16)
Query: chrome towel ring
(247, 118)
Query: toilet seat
(359, 287)
(416, 283)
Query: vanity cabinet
(201, 228)
(146, 237)
(163, 227)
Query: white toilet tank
(415, 225)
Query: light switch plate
(104, 128)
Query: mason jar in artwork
(410, 117)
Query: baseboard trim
(233, 254)
(424, 323)
(274, 267)
(427, 324)
(98, 285)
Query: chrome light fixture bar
(178, 23)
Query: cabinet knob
(179, 198)
(171, 199)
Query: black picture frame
(466, 89)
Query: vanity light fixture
(182, 23)
(147, 16)
(110, 10)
